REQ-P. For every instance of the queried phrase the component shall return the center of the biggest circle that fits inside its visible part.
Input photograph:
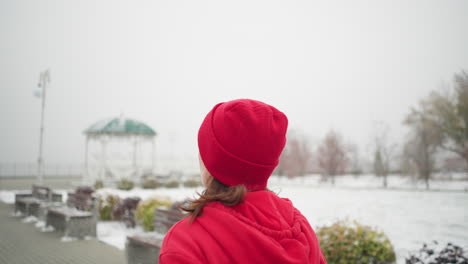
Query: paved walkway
(25, 183)
(23, 243)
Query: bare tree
(332, 155)
(383, 151)
(447, 111)
(355, 160)
(379, 168)
(280, 170)
(422, 144)
(296, 157)
(407, 165)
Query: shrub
(145, 211)
(125, 211)
(345, 242)
(151, 184)
(125, 184)
(172, 184)
(436, 254)
(192, 183)
(106, 206)
(98, 184)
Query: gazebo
(133, 134)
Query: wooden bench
(82, 199)
(78, 218)
(165, 218)
(144, 249)
(36, 202)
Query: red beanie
(240, 142)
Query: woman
(236, 219)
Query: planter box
(143, 249)
(72, 222)
(29, 203)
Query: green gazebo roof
(120, 126)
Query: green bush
(106, 205)
(345, 242)
(145, 211)
(98, 184)
(192, 183)
(151, 184)
(125, 184)
(172, 184)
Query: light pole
(44, 79)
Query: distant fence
(30, 169)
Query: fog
(339, 65)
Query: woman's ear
(207, 179)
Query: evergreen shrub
(192, 183)
(145, 211)
(350, 242)
(98, 184)
(172, 184)
(125, 184)
(106, 205)
(151, 184)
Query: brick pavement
(23, 243)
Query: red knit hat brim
(226, 167)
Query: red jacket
(262, 229)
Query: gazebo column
(135, 145)
(153, 155)
(86, 177)
(102, 175)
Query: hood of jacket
(262, 229)
(265, 211)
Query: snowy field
(407, 213)
(408, 218)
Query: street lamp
(40, 91)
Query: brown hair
(215, 192)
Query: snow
(67, 239)
(70, 211)
(47, 229)
(115, 233)
(407, 213)
(100, 124)
(408, 218)
(175, 194)
(29, 219)
(8, 196)
(434, 251)
(440, 182)
(40, 224)
(16, 214)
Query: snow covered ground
(8, 196)
(408, 218)
(115, 233)
(459, 182)
(175, 194)
(407, 213)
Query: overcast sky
(327, 64)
